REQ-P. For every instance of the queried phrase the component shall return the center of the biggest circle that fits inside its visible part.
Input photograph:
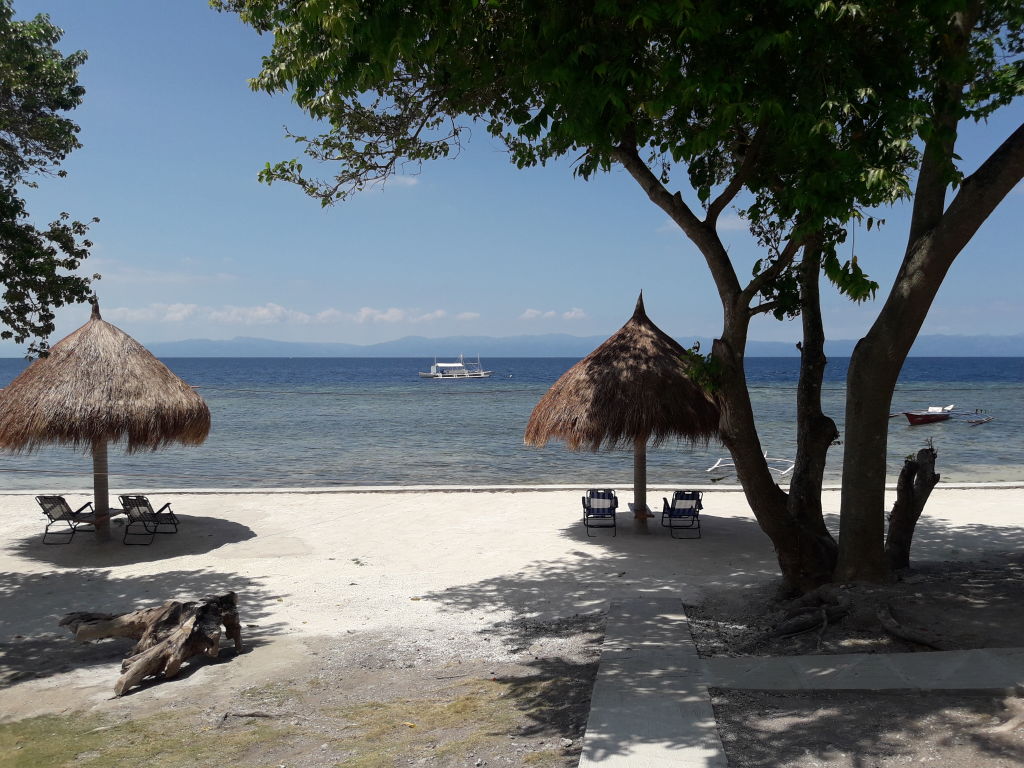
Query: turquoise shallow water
(313, 422)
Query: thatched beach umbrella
(633, 388)
(99, 386)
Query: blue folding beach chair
(599, 507)
(683, 513)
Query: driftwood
(167, 635)
(914, 486)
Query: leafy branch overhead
(37, 265)
(729, 96)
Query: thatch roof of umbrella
(99, 385)
(636, 386)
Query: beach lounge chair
(683, 513)
(599, 507)
(144, 521)
(59, 512)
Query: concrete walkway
(651, 709)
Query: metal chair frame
(58, 511)
(140, 512)
(600, 517)
(682, 519)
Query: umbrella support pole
(101, 489)
(640, 513)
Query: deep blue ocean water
(313, 422)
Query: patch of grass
(445, 729)
(168, 740)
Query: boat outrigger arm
(782, 466)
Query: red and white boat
(932, 414)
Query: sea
(337, 422)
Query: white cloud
(403, 181)
(329, 316)
(267, 314)
(163, 313)
(371, 315)
(437, 314)
(533, 314)
(574, 314)
(272, 314)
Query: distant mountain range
(549, 345)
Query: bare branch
(761, 309)
(738, 180)
(785, 258)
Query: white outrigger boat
(462, 369)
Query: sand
(435, 574)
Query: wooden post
(101, 489)
(640, 484)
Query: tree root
(919, 636)
(811, 612)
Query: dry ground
(965, 605)
(374, 645)
(363, 700)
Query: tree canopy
(38, 85)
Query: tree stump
(914, 486)
(167, 635)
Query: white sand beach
(432, 575)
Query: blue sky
(190, 245)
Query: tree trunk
(167, 635)
(874, 368)
(101, 489)
(640, 485)
(917, 479)
(803, 560)
(815, 434)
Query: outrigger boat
(782, 466)
(460, 369)
(932, 414)
(936, 413)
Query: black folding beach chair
(59, 513)
(143, 520)
(599, 507)
(683, 513)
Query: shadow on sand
(765, 729)
(36, 647)
(556, 598)
(195, 536)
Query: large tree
(803, 114)
(38, 84)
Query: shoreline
(505, 488)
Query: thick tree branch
(980, 194)
(937, 162)
(703, 236)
